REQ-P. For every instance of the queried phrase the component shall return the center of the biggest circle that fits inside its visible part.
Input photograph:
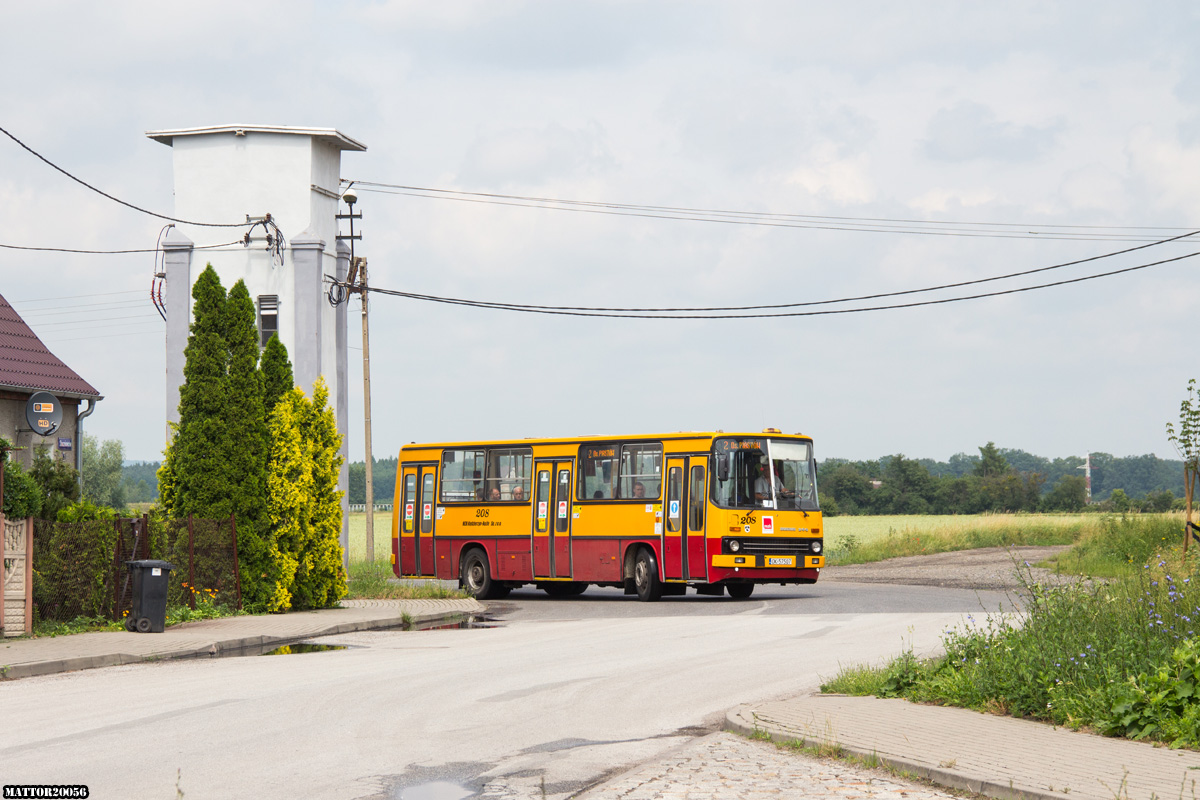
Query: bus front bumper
(766, 561)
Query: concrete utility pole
(362, 293)
(356, 281)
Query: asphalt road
(561, 694)
(828, 597)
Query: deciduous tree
(1187, 443)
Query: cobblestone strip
(725, 766)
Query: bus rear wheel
(740, 591)
(475, 576)
(645, 576)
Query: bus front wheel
(740, 591)
(476, 577)
(645, 576)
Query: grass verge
(1120, 656)
(375, 580)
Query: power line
(684, 209)
(960, 284)
(76, 296)
(101, 336)
(782, 220)
(122, 318)
(567, 311)
(82, 308)
(103, 193)
(113, 252)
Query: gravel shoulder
(985, 568)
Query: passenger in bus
(639, 490)
(598, 494)
(495, 494)
(518, 493)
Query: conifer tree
(276, 373)
(304, 504)
(288, 475)
(320, 576)
(245, 442)
(192, 479)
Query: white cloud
(1017, 113)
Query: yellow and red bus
(650, 514)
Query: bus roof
(567, 440)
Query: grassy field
(868, 530)
(856, 540)
(358, 536)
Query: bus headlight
(816, 547)
(735, 546)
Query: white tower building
(226, 174)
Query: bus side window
(674, 498)
(410, 490)
(427, 499)
(564, 495)
(543, 498)
(696, 499)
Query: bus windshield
(764, 473)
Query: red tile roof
(26, 364)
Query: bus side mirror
(723, 467)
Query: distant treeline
(998, 479)
(383, 480)
(139, 481)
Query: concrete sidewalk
(1001, 757)
(23, 658)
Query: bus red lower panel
(408, 557)
(513, 562)
(428, 562)
(446, 567)
(696, 557)
(596, 560)
(775, 575)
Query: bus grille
(761, 546)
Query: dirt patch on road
(985, 568)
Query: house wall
(15, 428)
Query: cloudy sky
(1036, 133)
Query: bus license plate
(781, 561)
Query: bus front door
(552, 520)
(673, 532)
(695, 564)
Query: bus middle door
(425, 528)
(552, 520)
(409, 522)
(562, 520)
